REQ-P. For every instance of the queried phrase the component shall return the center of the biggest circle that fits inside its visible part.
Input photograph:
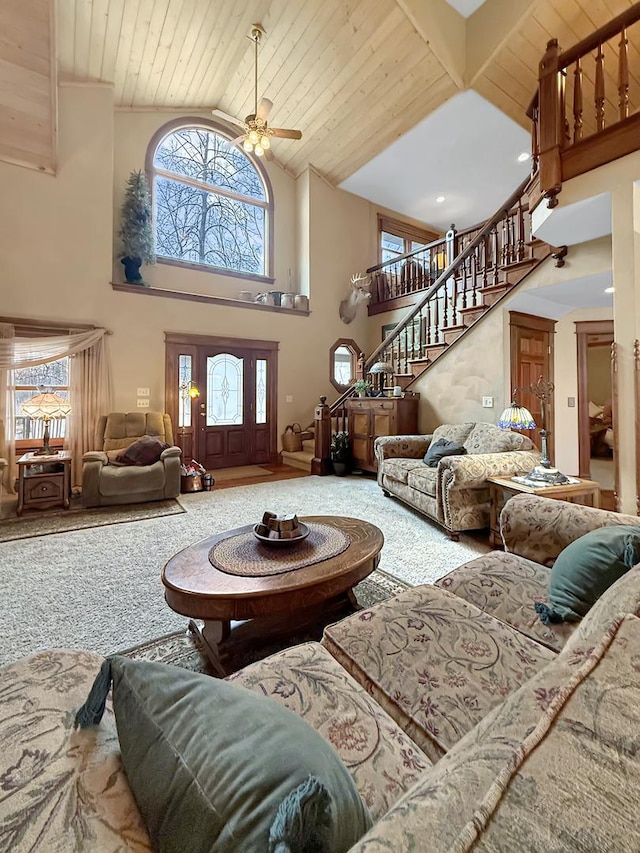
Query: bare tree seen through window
(210, 202)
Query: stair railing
(501, 240)
(460, 286)
(568, 141)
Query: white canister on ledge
(287, 300)
(397, 390)
(301, 302)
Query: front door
(231, 418)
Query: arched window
(212, 203)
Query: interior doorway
(221, 394)
(531, 348)
(596, 406)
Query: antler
(358, 277)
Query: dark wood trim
(200, 297)
(188, 345)
(614, 422)
(584, 329)
(610, 144)
(355, 351)
(184, 339)
(405, 301)
(198, 121)
(532, 321)
(22, 325)
(209, 269)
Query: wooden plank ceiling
(353, 75)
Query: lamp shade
(46, 405)
(381, 367)
(516, 417)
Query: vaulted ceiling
(353, 75)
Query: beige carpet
(221, 475)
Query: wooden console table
(44, 481)
(502, 488)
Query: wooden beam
(489, 29)
(444, 30)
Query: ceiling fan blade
(286, 133)
(268, 154)
(226, 117)
(264, 108)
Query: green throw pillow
(215, 767)
(586, 568)
(439, 449)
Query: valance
(29, 352)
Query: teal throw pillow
(215, 767)
(439, 449)
(586, 568)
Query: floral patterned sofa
(455, 494)
(461, 718)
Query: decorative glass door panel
(225, 403)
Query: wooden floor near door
(278, 472)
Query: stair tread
(470, 308)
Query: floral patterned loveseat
(455, 494)
(465, 723)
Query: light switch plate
(142, 392)
(487, 402)
(143, 403)
(288, 399)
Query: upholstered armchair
(106, 482)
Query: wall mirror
(343, 361)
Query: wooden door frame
(584, 329)
(541, 324)
(191, 344)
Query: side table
(44, 481)
(502, 488)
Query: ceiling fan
(256, 135)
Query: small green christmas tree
(136, 231)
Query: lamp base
(548, 476)
(45, 451)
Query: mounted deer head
(360, 285)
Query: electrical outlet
(288, 399)
(143, 403)
(487, 402)
(142, 392)
(571, 402)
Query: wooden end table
(44, 481)
(274, 605)
(502, 488)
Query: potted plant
(136, 230)
(340, 452)
(362, 387)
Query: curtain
(90, 394)
(89, 386)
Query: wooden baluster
(485, 261)
(406, 350)
(436, 319)
(505, 241)
(521, 231)
(577, 101)
(495, 254)
(465, 280)
(535, 147)
(474, 276)
(428, 330)
(623, 76)
(599, 90)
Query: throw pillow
(215, 767)
(439, 449)
(586, 568)
(144, 451)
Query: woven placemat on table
(243, 555)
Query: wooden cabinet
(44, 481)
(370, 417)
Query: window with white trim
(54, 376)
(211, 202)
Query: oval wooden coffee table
(274, 604)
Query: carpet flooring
(34, 523)
(100, 588)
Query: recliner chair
(106, 483)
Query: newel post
(321, 463)
(550, 123)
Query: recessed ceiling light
(522, 158)
(440, 199)
(609, 290)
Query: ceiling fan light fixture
(259, 150)
(248, 145)
(254, 137)
(265, 142)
